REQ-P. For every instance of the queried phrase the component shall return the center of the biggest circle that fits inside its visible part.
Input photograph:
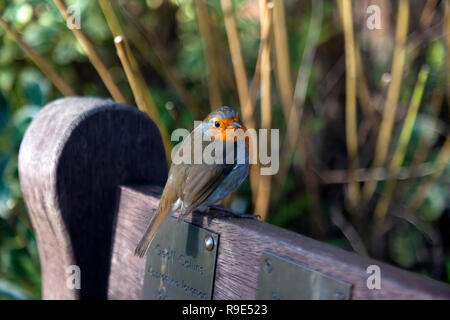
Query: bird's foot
(234, 213)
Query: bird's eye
(217, 124)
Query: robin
(192, 186)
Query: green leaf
(436, 55)
(404, 245)
(435, 203)
(9, 290)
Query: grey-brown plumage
(195, 186)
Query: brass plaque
(282, 279)
(181, 262)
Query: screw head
(209, 243)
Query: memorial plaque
(280, 278)
(181, 262)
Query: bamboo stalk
(363, 92)
(238, 64)
(405, 135)
(264, 181)
(246, 101)
(349, 232)
(301, 85)
(438, 168)
(351, 131)
(215, 98)
(424, 140)
(283, 69)
(266, 105)
(162, 63)
(141, 94)
(93, 56)
(40, 61)
(371, 119)
(292, 143)
(144, 101)
(111, 18)
(390, 107)
(378, 174)
(266, 30)
(428, 13)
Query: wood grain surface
(74, 155)
(241, 244)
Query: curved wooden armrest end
(73, 156)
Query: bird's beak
(235, 125)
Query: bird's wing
(201, 181)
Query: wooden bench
(91, 172)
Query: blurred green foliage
(24, 90)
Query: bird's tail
(143, 245)
(158, 218)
